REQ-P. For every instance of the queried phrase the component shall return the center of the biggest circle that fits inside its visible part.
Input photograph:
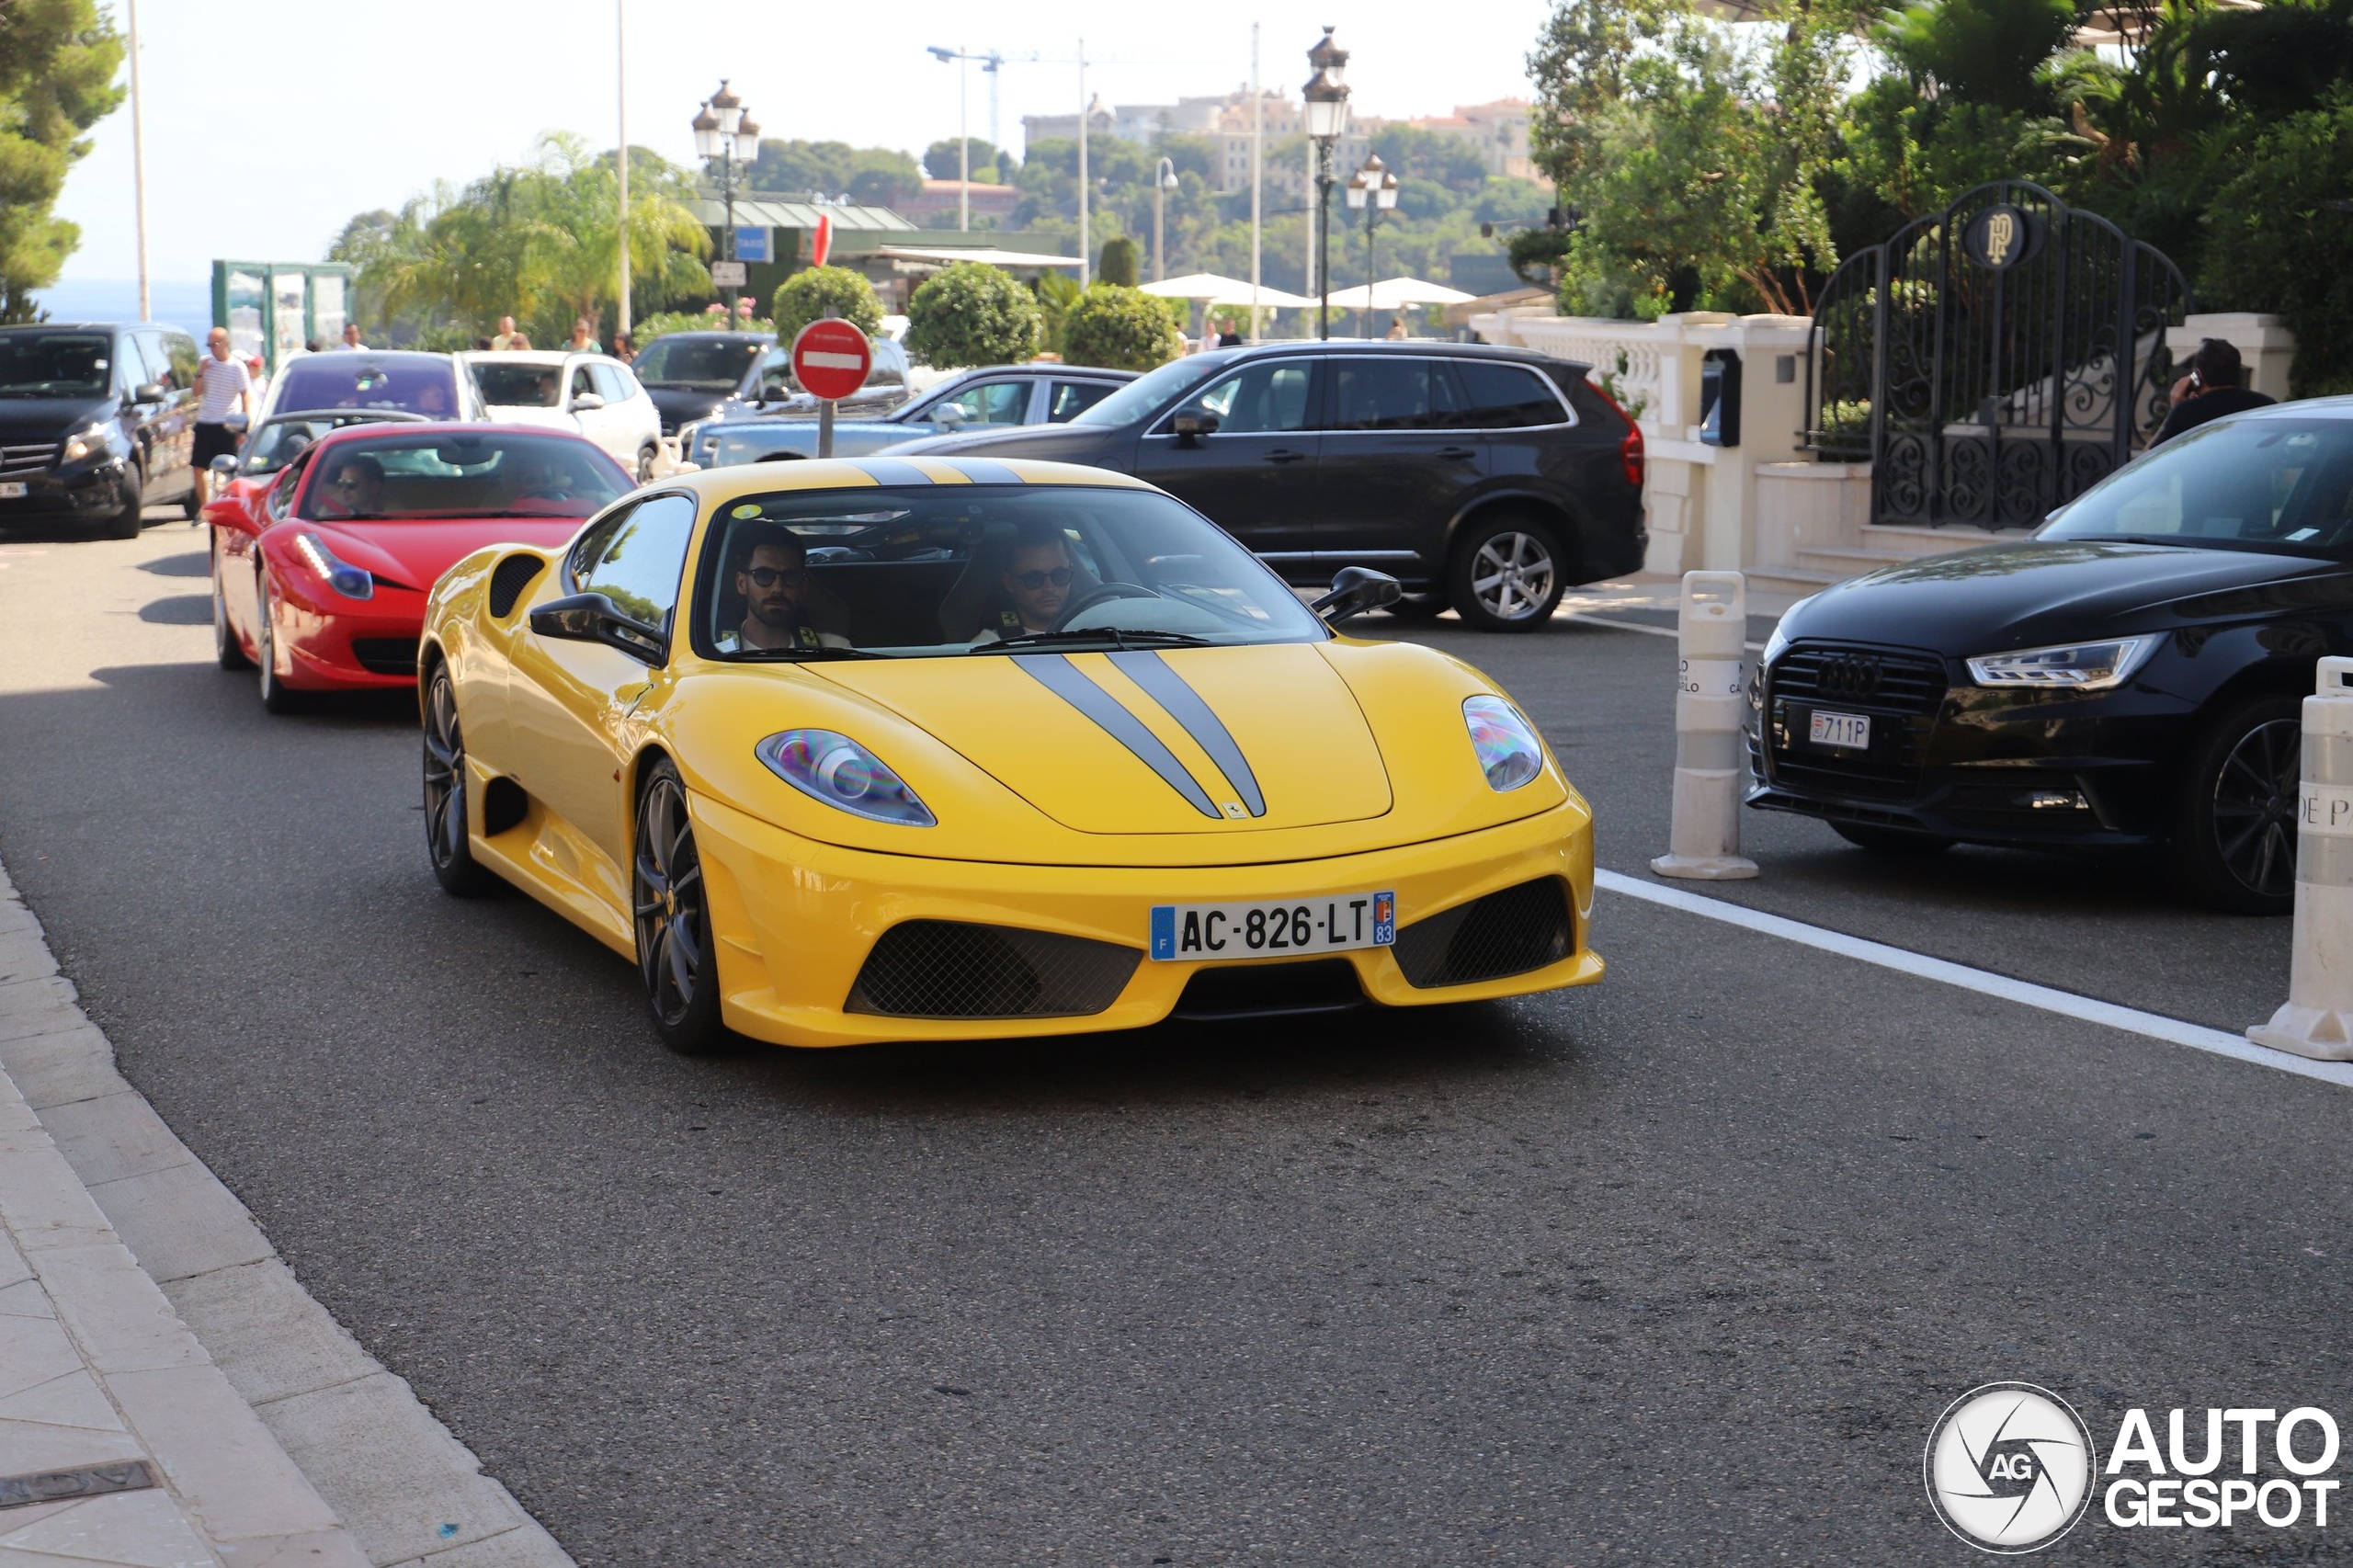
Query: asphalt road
(1679, 1268)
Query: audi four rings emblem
(1847, 675)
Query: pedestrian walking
(223, 388)
(2210, 391)
(507, 336)
(625, 347)
(584, 337)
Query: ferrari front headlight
(1507, 750)
(835, 769)
(2075, 666)
(351, 581)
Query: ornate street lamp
(1163, 180)
(1327, 116)
(1374, 188)
(723, 131)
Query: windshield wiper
(797, 655)
(1117, 636)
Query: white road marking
(2068, 1003)
(1640, 626)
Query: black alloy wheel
(131, 513)
(225, 646)
(275, 694)
(2234, 840)
(674, 950)
(1507, 575)
(445, 841)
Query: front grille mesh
(948, 968)
(1511, 932)
(17, 459)
(508, 579)
(1884, 680)
(1902, 690)
(386, 655)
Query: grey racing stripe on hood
(1184, 705)
(1067, 681)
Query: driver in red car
(356, 489)
(1036, 585)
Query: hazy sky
(269, 122)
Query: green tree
(972, 313)
(817, 291)
(2276, 241)
(58, 60)
(1118, 267)
(1580, 65)
(876, 176)
(1120, 329)
(940, 160)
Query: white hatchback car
(593, 395)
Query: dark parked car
(770, 390)
(997, 397)
(689, 374)
(97, 422)
(1489, 479)
(2128, 677)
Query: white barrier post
(1712, 630)
(2317, 1019)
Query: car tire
(1420, 607)
(446, 842)
(277, 697)
(1891, 840)
(676, 959)
(2233, 842)
(131, 511)
(1508, 573)
(225, 646)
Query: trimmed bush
(972, 313)
(815, 291)
(1120, 263)
(1120, 329)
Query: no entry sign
(830, 358)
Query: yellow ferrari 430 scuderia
(928, 748)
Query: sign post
(830, 359)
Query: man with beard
(772, 579)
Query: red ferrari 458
(319, 578)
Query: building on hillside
(1498, 130)
(938, 205)
(1280, 128)
(1037, 128)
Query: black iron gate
(1993, 361)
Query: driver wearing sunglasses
(772, 579)
(1036, 584)
(356, 489)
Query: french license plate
(12, 491)
(1328, 924)
(1842, 729)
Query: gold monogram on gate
(2001, 233)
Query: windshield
(2277, 483)
(53, 364)
(519, 386)
(699, 364)
(1143, 394)
(280, 442)
(460, 475)
(967, 570)
(421, 385)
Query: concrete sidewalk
(170, 1396)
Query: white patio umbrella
(1397, 294)
(1211, 289)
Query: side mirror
(948, 415)
(1191, 427)
(586, 403)
(1356, 589)
(148, 391)
(224, 465)
(593, 617)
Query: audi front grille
(1900, 689)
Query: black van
(96, 422)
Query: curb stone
(282, 1442)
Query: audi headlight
(2075, 666)
(1507, 750)
(351, 581)
(837, 770)
(87, 443)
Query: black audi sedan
(2128, 677)
(1489, 479)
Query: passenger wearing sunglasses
(1036, 582)
(772, 579)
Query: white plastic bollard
(2317, 1019)
(1711, 631)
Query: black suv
(689, 374)
(97, 422)
(1490, 479)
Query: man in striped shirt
(223, 388)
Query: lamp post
(1374, 188)
(720, 132)
(1326, 117)
(1163, 180)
